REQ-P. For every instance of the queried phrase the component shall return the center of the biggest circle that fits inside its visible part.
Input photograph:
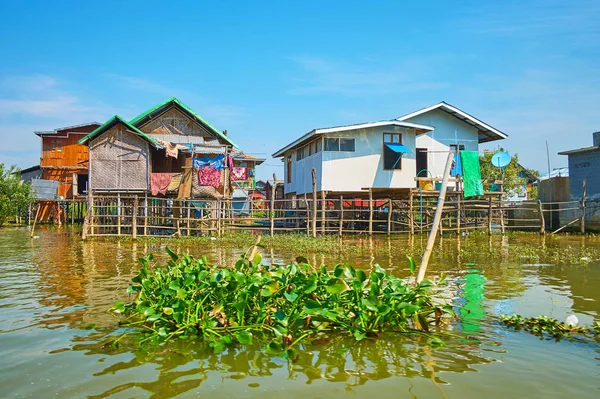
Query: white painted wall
(354, 171)
(448, 130)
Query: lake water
(53, 286)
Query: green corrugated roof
(113, 121)
(175, 100)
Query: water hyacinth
(190, 299)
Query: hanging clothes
(159, 182)
(471, 173)
(239, 174)
(215, 162)
(230, 162)
(209, 176)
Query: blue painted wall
(585, 166)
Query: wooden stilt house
(168, 150)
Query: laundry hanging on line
(209, 176)
(172, 150)
(216, 162)
(239, 174)
(471, 174)
(159, 182)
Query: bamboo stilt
(583, 195)
(314, 202)
(370, 212)
(389, 218)
(341, 226)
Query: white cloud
(320, 75)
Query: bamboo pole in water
(134, 217)
(542, 221)
(37, 212)
(389, 218)
(490, 216)
(436, 220)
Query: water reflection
(53, 286)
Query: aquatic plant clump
(546, 325)
(190, 299)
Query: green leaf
(269, 289)
(132, 289)
(338, 271)
(119, 307)
(174, 285)
(244, 337)
(218, 346)
(361, 276)
(189, 280)
(371, 303)
(336, 286)
(280, 315)
(172, 254)
(163, 332)
(313, 307)
(257, 259)
(411, 264)
(274, 348)
(359, 335)
(310, 288)
(181, 293)
(167, 310)
(290, 296)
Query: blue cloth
(216, 162)
(397, 148)
(457, 167)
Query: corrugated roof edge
(186, 108)
(117, 119)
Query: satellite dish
(501, 159)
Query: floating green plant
(189, 299)
(546, 325)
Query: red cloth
(159, 182)
(209, 176)
(239, 174)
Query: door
(422, 162)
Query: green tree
(513, 183)
(14, 195)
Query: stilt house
(168, 150)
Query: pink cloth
(209, 176)
(239, 174)
(159, 182)
(230, 162)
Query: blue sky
(270, 71)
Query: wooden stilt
(134, 217)
(583, 195)
(490, 216)
(314, 202)
(341, 226)
(323, 213)
(389, 217)
(542, 221)
(118, 213)
(370, 212)
(502, 229)
(411, 213)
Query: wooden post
(341, 226)
(411, 212)
(134, 216)
(502, 229)
(542, 221)
(188, 212)
(118, 213)
(90, 212)
(323, 206)
(389, 218)
(583, 195)
(37, 212)
(307, 216)
(272, 213)
(29, 215)
(370, 212)
(314, 203)
(145, 214)
(219, 217)
(436, 219)
(490, 217)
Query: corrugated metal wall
(119, 160)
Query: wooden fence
(134, 216)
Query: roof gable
(488, 132)
(173, 101)
(118, 120)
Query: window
(56, 145)
(318, 145)
(391, 159)
(340, 144)
(300, 154)
(347, 145)
(311, 148)
(332, 144)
